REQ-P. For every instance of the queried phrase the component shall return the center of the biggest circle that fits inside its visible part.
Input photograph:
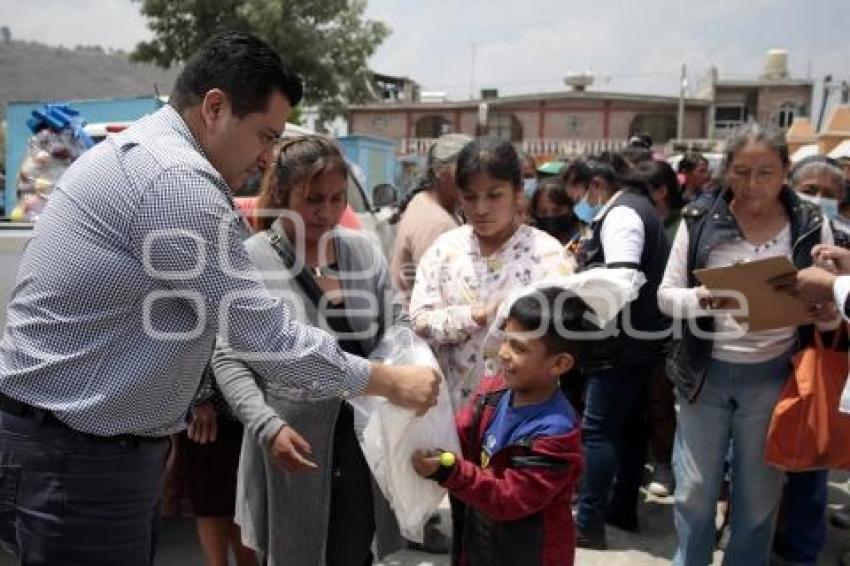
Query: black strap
(303, 277)
(626, 264)
(536, 460)
(313, 291)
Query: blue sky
(529, 46)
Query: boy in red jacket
(520, 440)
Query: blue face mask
(529, 186)
(585, 211)
(829, 206)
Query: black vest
(710, 223)
(642, 314)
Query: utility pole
(472, 75)
(827, 84)
(680, 122)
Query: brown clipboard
(767, 308)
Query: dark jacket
(622, 348)
(518, 508)
(710, 223)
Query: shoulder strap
(303, 277)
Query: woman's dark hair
(577, 173)
(555, 189)
(295, 164)
(554, 310)
(491, 156)
(615, 160)
(659, 174)
(244, 67)
(752, 132)
(691, 161)
(636, 154)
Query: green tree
(327, 42)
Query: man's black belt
(21, 409)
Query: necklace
(766, 245)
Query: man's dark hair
(555, 310)
(244, 67)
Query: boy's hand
(426, 462)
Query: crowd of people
(260, 340)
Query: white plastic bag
(389, 435)
(606, 291)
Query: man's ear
(562, 363)
(214, 105)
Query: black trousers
(71, 499)
(352, 521)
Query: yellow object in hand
(447, 459)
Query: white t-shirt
(677, 300)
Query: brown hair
(295, 163)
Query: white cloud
(529, 46)
(629, 45)
(108, 23)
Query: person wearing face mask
(801, 529)
(626, 235)
(820, 180)
(552, 211)
(577, 177)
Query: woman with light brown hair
(305, 493)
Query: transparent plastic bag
(389, 435)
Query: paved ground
(653, 546)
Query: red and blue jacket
(517, 509)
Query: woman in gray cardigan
(322, 507)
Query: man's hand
(831, 256)
(288, 449)
(812, 285)
(426, 462)
(414, 387)
(204, 425)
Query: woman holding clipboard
(728, 378)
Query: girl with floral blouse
(466, 272)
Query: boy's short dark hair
(554, 310)
(245, 67)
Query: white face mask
(829, 206)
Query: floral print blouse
(453, 279)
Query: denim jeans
(71, 499)
(614, 438)
(734, 408)
(801, 532)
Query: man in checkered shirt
(135, 266)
